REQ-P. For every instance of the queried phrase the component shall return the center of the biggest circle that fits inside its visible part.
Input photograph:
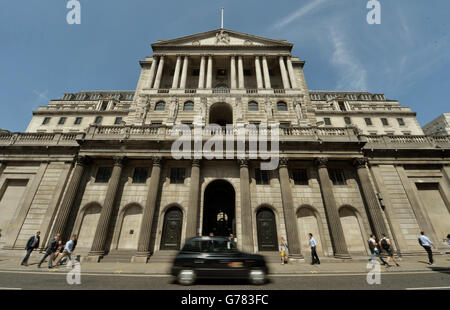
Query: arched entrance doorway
(129, 232)
(221, 114)
(171, 233)
(88, 226)
(267, 230)
(308, 223)
(352, 228)
(219, 209)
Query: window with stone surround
(401, 122)
(337, 176)
(103, 174)
(327, 121)
(253, 106)
(78, 121)
(262, 177)
(300, 176)
(368, 121)
(62, 120)
(160, 106)
(98, 120)
(188, 106)
(140, 175)
(177, 175)
(118, 120)
(347, 120)
(282, 106)
(46, 120)
(384, 121)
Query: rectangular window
(342, 106)
(140, 175)
(177, 175)
(46, 120)
(62, 120)
(347, 120)
(196, 72)
(221, 72)
(337, 176)
(247, 72)
(285, 124)
(104, 105)
(262, 177)
(78, 120)
(327, 121)
(401, 122)
(103, 174)
(384, 121)
(118, 120)
(300, 176)
(368, 121)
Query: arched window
(160, 106)
(188, 106)
(281, 106)
(253, 106)
(98, 120)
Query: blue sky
(407, 57)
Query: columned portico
(284, 75)
(266, 73)
(193, 207)
(159, 72)
(246, 213)
(290, 218)
(143, 251)
(291, 72)
(233, 72)
(209, 73)
(241, 72)
(152, 72)
(259, 81)
(331, 211)
(99, 243)
(201, 77)
(184, 72)
(69, 197)
(176, 74)
(373, 206)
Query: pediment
(222, 37)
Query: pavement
(328, 266)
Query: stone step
(163, 256)
(118, 257)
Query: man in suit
(50, 250)
(32, 245)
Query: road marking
(90, 274)
(10, 288)
(346, 274)
(429, 288)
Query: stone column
(246, 208)
(331, 211)
(373, 206)
(241, 72)
(233, 72)
(152, 72)
(201, 77)
(266, 73)
(290, 218)
(143, 251)
(159, 73)
(284, 73)
(209, 73)
(184, 73)
(98, 245)
(193, 207)
(71, 193)
(176, 75)
(291, 73)
(259, 81)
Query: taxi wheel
(186, 277)
(257, 277)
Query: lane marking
(168, 276)
(428, 288)
(10, 288)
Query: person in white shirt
(426, 243)
(313, 244)
(386, 245)
(373, 246)
(67, 250)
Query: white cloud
(351, 74)
(298, 13)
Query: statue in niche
(203, 107)
(222, 37)
(238, 108)
(173, 109)
(298, 110)
(269, 109)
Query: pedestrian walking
(426, 243)
(284, 251)
(68, 248)
(50, 250)
(374, 250)
(32, 245)
(59, 250)
(313, 244)
(386, 245)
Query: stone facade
(439, 126)
(99, 164)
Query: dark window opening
(368, 121)
(347, 120)
(78, 120)
(177, 175)
(140, 175)
(337, 176)
(300, 176)
(62, 121)
(262, 177)
(103, 174)
(327, 121)
(118, 121)
(46, 120)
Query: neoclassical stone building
(99, 164)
